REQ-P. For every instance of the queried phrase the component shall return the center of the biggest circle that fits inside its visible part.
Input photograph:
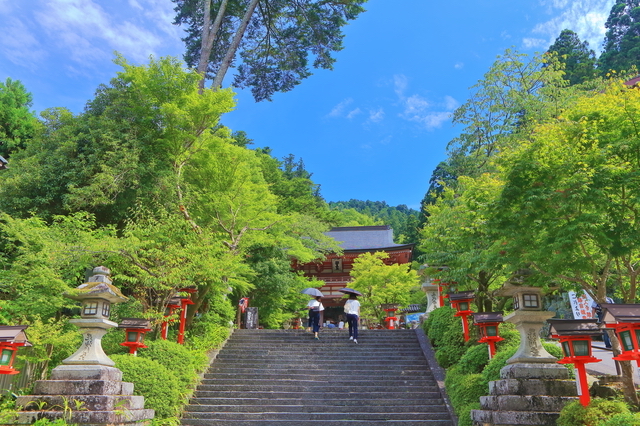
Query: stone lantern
(89, 377)
(96, 297)
(625, 320)
(431, 290)
(575, 338)
(461, 302)
(488, 323)
(11, 338)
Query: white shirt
(352, 307)
(313, 303)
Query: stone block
(525, 402)
(85, 418)
(499, 418)
(86, 372)
(81, 402)
(82, 387)
(534, 371)
(533, 387)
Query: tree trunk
(629, 388)
(208, 37)
(231, 52)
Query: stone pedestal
(532, 388)
(85, 396)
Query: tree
(17, 123)
(381, 283)
(579, 61)
(621, 47)
(274, 39)
(569, 205)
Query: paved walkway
(607, 365)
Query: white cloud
(376, 115)
(459, 65)
(353, 113)
(19, 44)
(338, 110)
(585, 17)
(400, 83)
(535, 43)
(450, 103)
(431, 115)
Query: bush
(183, 362)
(452, 346)
(438, 323)
(510, 334)
(574, 414)
(464, 389)
(492, 370)
(159, 386)
(207, 333)
(475, 359)
(464, 414)
(622, 419)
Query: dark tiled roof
(364, 237)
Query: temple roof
(364, 238)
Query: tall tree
(17, 123)
(271, 40)
(579, 61)
(621, 47)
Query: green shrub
(574, 414)
(452, 345)
(438, 323)
(474, 359)
(622, 419)
(183, 362)
(207, 334)
(159, 386)
(492, 370)
(464, 414)
(464, 389)
(510, 334)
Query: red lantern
(625, 320)
(488, 323)
(461, 302)
(390, 309)
(184, 301)
(11, 338)
(575, 338)
(174, 303)
(135, 329)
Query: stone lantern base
(86, 396)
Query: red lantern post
(174, 303)
(135, 328)
(488, 323)
(184, 301)
(461, 302)
(625, 320)
(575, 338)
(11, 338)
(390, 309)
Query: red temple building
(334, 270)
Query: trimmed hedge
(183, 362)
(159, 386)
(596, 413)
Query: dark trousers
(314, 320)
(352, 320)
(605, 335)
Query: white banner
(581, 305)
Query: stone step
(81, 402)
(375, 364)
(294, 399)
(320, 415)
(430, 394)
(293, 357)
(514, 417)
(325, 387)
(525, 402)
(282, 422)
(286, 380)
(364, 407)
(243, 373)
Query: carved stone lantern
(529, 319)
(96, 297)
(575, 338)
(461, 302)
(135, 329)
(488, 323)
(391, 319)
(625, 320)
(184, 301)
(11, 338)
(431, 289)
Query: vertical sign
(251, 318)
(581, 305)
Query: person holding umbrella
(352, 309)
(315, 307)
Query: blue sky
(374, 128)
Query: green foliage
(578, 59)
(17, 123)
(620, 48)
(452, 346)
(159, 385)
(438, 322)
(182, 361)
(47, 422)
(491, 371)
(622, 419)
(464, 390)
(474, 359)
(599, 410)
(464, 413)
(208, 333)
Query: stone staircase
(285, 377)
